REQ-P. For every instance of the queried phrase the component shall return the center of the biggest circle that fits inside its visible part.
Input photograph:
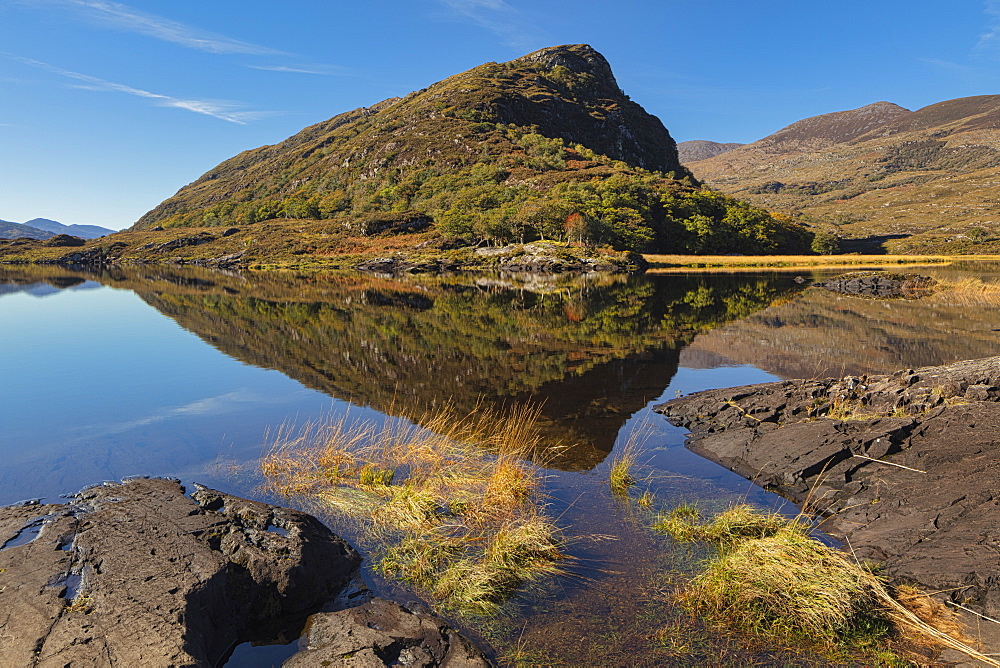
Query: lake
(188, 373)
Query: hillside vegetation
(546, 146)
(904, 181)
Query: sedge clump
(770, 577)
(452, 507)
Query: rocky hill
(700, 149)
(565, 92)
(905, 180)
(546, 146)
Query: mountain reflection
(590, 350)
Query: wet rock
(382, 633)
(137, 573)
(908, 474)
(881, 285)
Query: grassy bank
(660, 262)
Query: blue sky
(107, 108)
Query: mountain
(83, 231)
(700, 149)
(9, 230)
(546, 146)
(564, 92)
(901, 180)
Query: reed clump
(771, 578)
(970, 291)
(451, 507)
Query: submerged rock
(138, 574)
(906, 467)
(382, 633)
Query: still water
(170, 372)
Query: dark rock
(881, 285)
(98, 255)
(229, 231)
(138, 574)
(381, 633)
(184, 242)
(391, 224)
(927, 507)
(64, 240)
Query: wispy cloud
(989, 40)
(223, 404)
(497, 16)
(221, 109)
(123, 17)
(327, 70)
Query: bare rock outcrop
(139, 574)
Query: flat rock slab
(138, 574)
(382, 633)
(908, 474)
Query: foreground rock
(138, 574)
(381, 633)
(906, 466)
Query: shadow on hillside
(871, 245)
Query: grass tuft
(451, 507)
(770, 577)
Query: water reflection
(591, 350)
(822, 333)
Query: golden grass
(770, 577)
(790, 262)
(451, 507)
(968, 292)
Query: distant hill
(83, 231)
(9, 230)
(544, 146)
(700, 149)
(920, 180)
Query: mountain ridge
(905, 181)
(700, 149)
(82, 231)
(11, 230)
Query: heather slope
(911, 180)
